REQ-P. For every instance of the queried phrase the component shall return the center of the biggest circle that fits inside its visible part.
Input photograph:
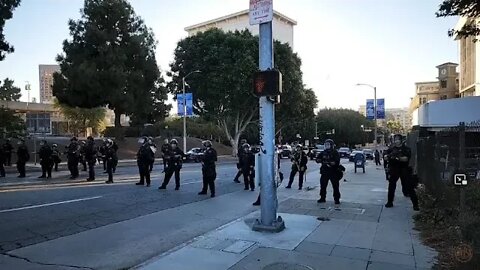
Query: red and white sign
(261, 11)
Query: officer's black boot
(389, 204)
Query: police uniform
(8, 149)
(299, 164)
(73, 154)
(330, 170)
(152, 145)
(90, 152)
(55, 156)
(46, 161)
(2, 161)
(22, 157)
(165, 149)
(240, 152)
(145, 156)
(174, 159)
(83, 159)
(209, 172)
(395, 169)
(110, 156)
(247, 165)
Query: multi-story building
(445, 87)
(281, 24)
(401, 115)
(46, 82)
(469, 62)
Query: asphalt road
(38, 213)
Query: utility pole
(268, 190)
(185, 111)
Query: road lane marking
(49, 204)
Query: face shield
(141, 141)
(397, 141)
(328, 146)
(174, 145)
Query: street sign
(189, 104)
(261, 11)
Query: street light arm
(365, 84)
(195, 71)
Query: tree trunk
(240, 126)
(118, 115)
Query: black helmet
(207, 143)
(54, 145)
(73, 139)
(243, 141)
(90, 138)
(331, 142)
(173, 141)
(397, 137)
(246, 146)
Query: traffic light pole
(268, 189)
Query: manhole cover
(287, 266)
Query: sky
(390, 44)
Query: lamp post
(374, 109)
(185, 111)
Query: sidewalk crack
(45, 264)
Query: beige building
(445, 87)
(281, 24)
(402, 115)
(46, 82)
(469, 62)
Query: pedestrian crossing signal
(267, 83)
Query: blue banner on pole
(370, 109)
(381, 108)
(188, 104)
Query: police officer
(82, 159)
(209, 172)
(398, 157)
(46, 161)
(115, 160)
(330, 171)
(90, 152)
(145, 155)
(8, 149)
(73, 156)
(55, 156)
(240, 152)
(110, 157)
(165, 149)
(299, 164)
(2, 161)
(153, 148)
(247, 164)
(102, 150)
(22, 157)
(174, 159)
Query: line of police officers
(396, 164)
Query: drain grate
(287, 266)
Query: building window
(443, 97)
(424, 100)
(443, 83)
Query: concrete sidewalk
(358, 234)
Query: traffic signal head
(267, 83)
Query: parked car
(351, 158)
(368, 154)
(194, 154)
(285, 151)
(344, 152)
(319, 148)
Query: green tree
(8, 91)
(222, 92)
(79, 119)
(110, 60)
(10, 122)
(394, 127)
(347, 125)
(6, 13)
(463, 8)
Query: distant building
(363, 110)
(469, 62)
(282, 25)
(401, 115)
(445, 87)
(46, 82)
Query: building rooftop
(240, 13)
(447, 64)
